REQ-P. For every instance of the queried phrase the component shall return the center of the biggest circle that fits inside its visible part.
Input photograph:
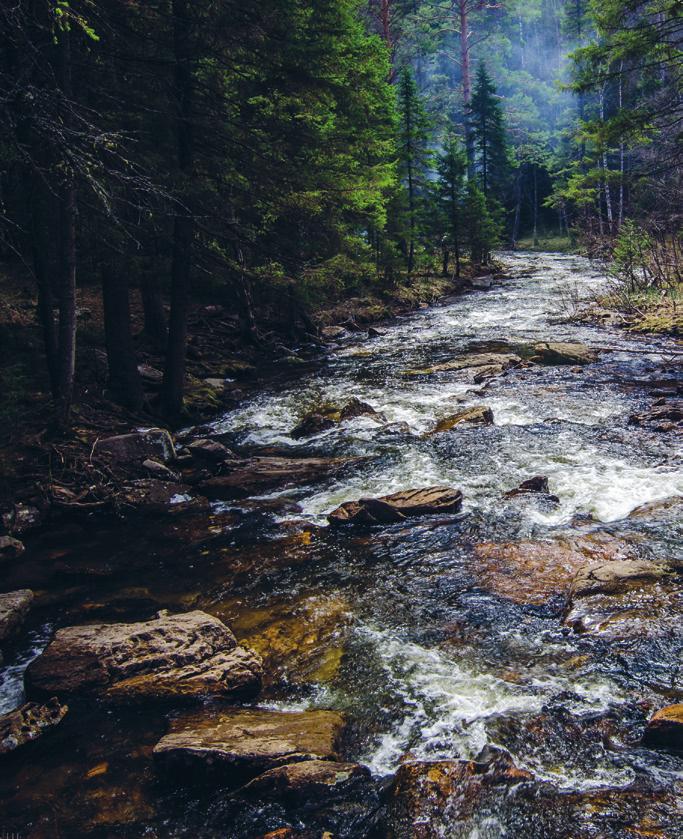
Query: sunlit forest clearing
(340, 388)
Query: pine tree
(482, 231)
(451, 168)
(414, 154)
(488, 130)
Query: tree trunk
(68, 214)
(518, 208)
(466, 82)
(535, 205)
(124, 379)
(183, 226)
(153, 307)
(621, 148)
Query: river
(428, 642)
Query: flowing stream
(438, 657)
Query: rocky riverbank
(485, 633)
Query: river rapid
(431, 646)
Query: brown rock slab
(537, 484)
(616, 576)
(156, 497)
(474, 362)
(665, 728)
(310, 780)
(28, 723)
(210, 451)
(556, 352)
(188, 655)
(251, 741)
(668, 417)
(153, 444)
(397, 507)
(248, 477)
(14, 606)
(477, 415)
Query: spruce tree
(482, 230)
(488, 129)
(414, 154)
(451, 168)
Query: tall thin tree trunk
(68, 214)
(153, 308)
(621, 148)
(518, 208)
(385, 22)
(124, 378)
(183, 226)
(605, 168)
(535, 205)
(463, 11)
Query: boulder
(539, 484)
(327, 416)
(10, 548)
(473, 363)
(159, 471)
(551, 352)
(249, 742)
(150, 375)
(373, 332)
(616, 576)
(242, 478)
(28, 723)
(14, 606)
(398, 506)
(313, 423)
(308, 781)
(665, 728)
(477, 415)
(210, 451)
(154, 497)
(333, 333)
(152, 444)
(187, 655)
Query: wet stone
(665, 728)
(28, 723)
(154, 444)
(14, 607)
(190, 655)
(477, 415)
(10, 548)
(398, 507)
(553, 352)
(249, 742)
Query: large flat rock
(558, 352)
(398, 507)
(250, 741)
(186, 655)
(154, 443)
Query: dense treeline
(274, 151)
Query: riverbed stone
(248, 742)
(28, 723)
(616, 576)
(210, 451)
(154, 444)
(308, 781)
(10, 548)
(471, 362)
(665, 728)
(159, 471)
(333, 333)
(14, 607)
(190, 655)
(662, 418)
(327, 416)
(556, 352)
(398, 506)
(155, 497)
(444, 798)
(241, 478)
(476, 415)
(537, 484)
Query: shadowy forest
(276, 157)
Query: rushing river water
(436, 658)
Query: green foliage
(482, 229)
(629, 256)
(488, 128)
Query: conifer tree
(488, 131)
(414, 154)
(451, 168)
(482, 231)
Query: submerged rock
(14, 606)
(254, 475)
(186, 655)
(616, 576)
(333, 333)
(397, 507)
(153, 444)
(473, 362)
(249, 742)
(551, 352)
(665, 728)
(538, 484)
(28, 723)
(447, 797)
(668, 417)
(477, 415)
(327, 416)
